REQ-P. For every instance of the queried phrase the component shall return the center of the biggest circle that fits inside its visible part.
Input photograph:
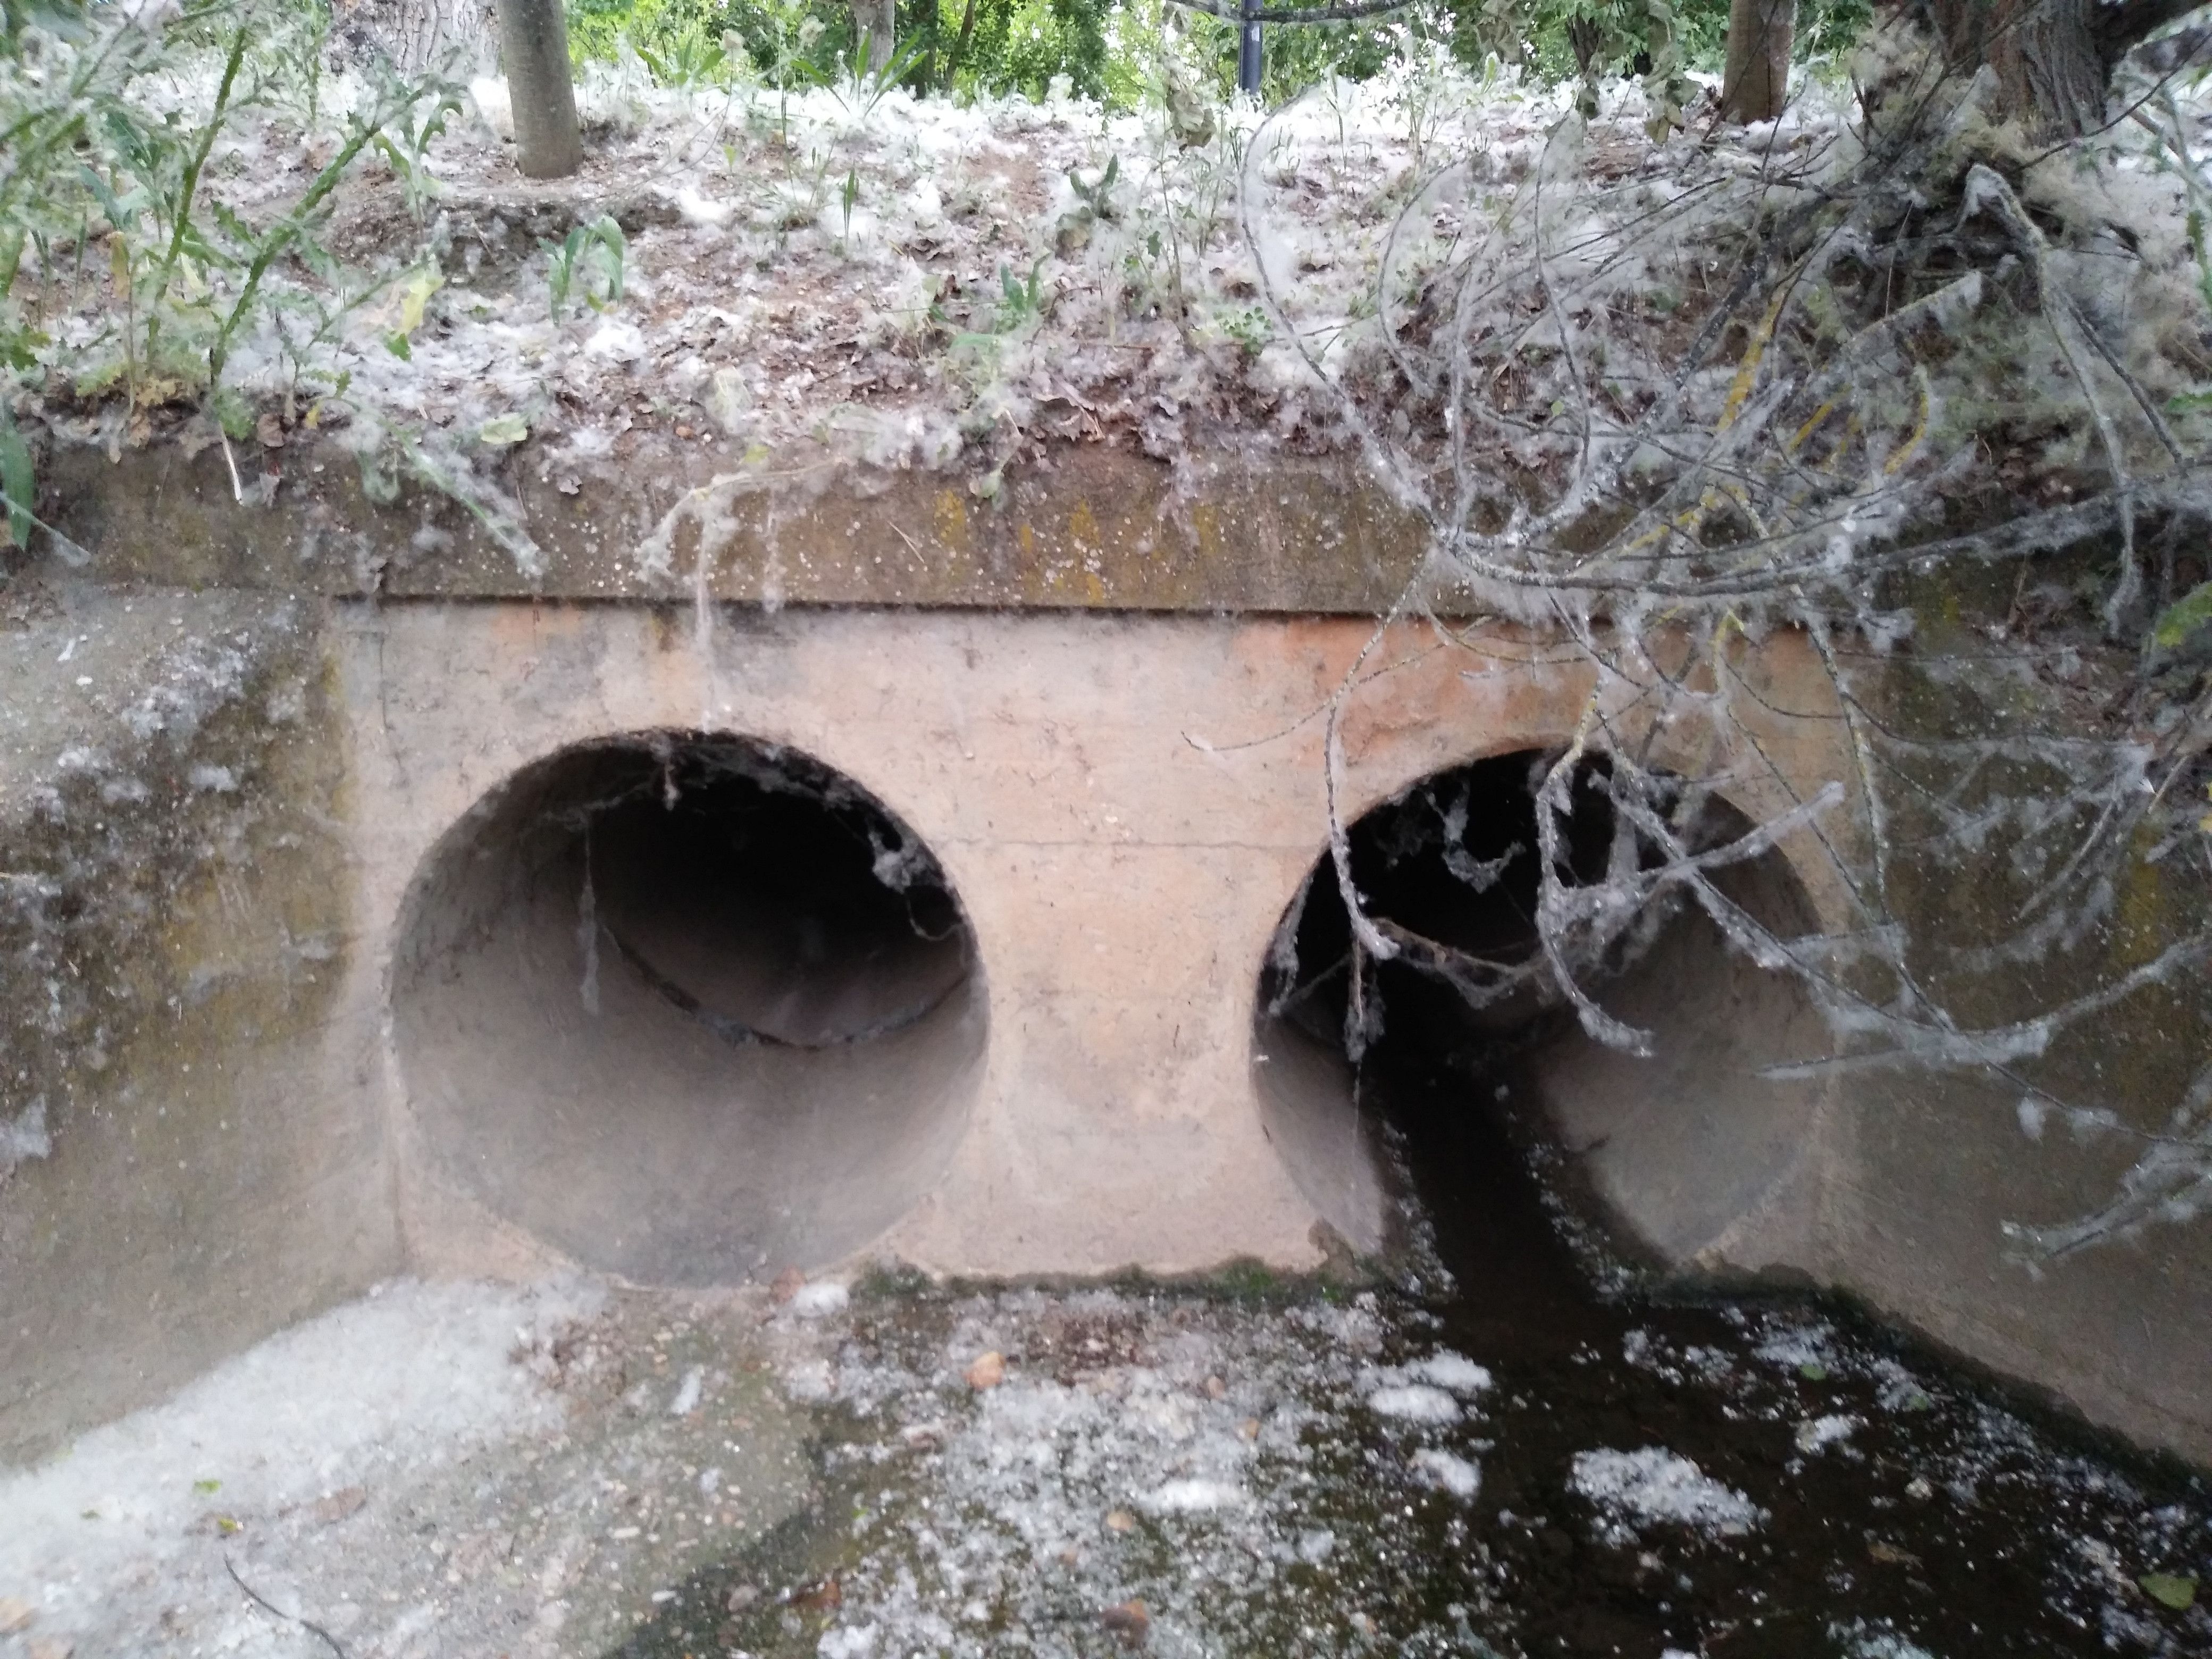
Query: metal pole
(1247, 50)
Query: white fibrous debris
(404, 1380)
(1873, 1639)
(847, 1642)
(1816, 1433)
(1192, 1498)
(688, 1392)
(24, 1137)
(1447, 1472)
(1653, 1486)
(1794, 1347)
(1455, 1371)
(1414, 1402)
(818, 1300)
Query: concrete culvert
(1677, 1153)
(689, 1008)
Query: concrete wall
(1124, 801)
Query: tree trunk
(874, 24)
(534, 45)
(2053, 59)
(421, 34)
(1757, 83)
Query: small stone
(988, 1370)
(1127, 1620)
(1215, 1388)
(1120, 1520)
(743, 1597)
(1250, 1428)
(787, 1286)
(48, 1647)
(15, 1614)
(1918, 1490)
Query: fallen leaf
(2170, 1590)
(818, 1598)
(15, 1614)
(988, 1370)
(1215, 1388)
(1128, 1620)
(270, 429)
(1883, 1551)
(1813, 1371)
(339, 1504)
(1250, 1428)
(1120, 1520)
(786, 1286)
(503, 430)
(46, 1647)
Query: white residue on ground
(434, 1469)
(373, 1392)
(1124, 1450)
(1655, 1487)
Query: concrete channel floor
(454, 1469)
(1250, 1466)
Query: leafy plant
(1020, 299)
(588, 264)
(1097, 194)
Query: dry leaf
(270, 429)
(818, 1598)
(1129, 1621)
(339, 1504)
(1120, 1520)
(15, 1614)
(988, 1370)
(786, 1286)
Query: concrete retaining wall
(1122, 799)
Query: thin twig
(262, 1600)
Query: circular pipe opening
(1669, 1151)
(692, 1008)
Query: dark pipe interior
(1455, 1099)
(763, 894)
(692, 1008)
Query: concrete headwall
(1121, 777)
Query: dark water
(1946, 1521)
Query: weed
(587, 264)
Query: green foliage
(2184, 617)
(587, 264)
(105, 208)
(1109, 49)
(18, 485)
